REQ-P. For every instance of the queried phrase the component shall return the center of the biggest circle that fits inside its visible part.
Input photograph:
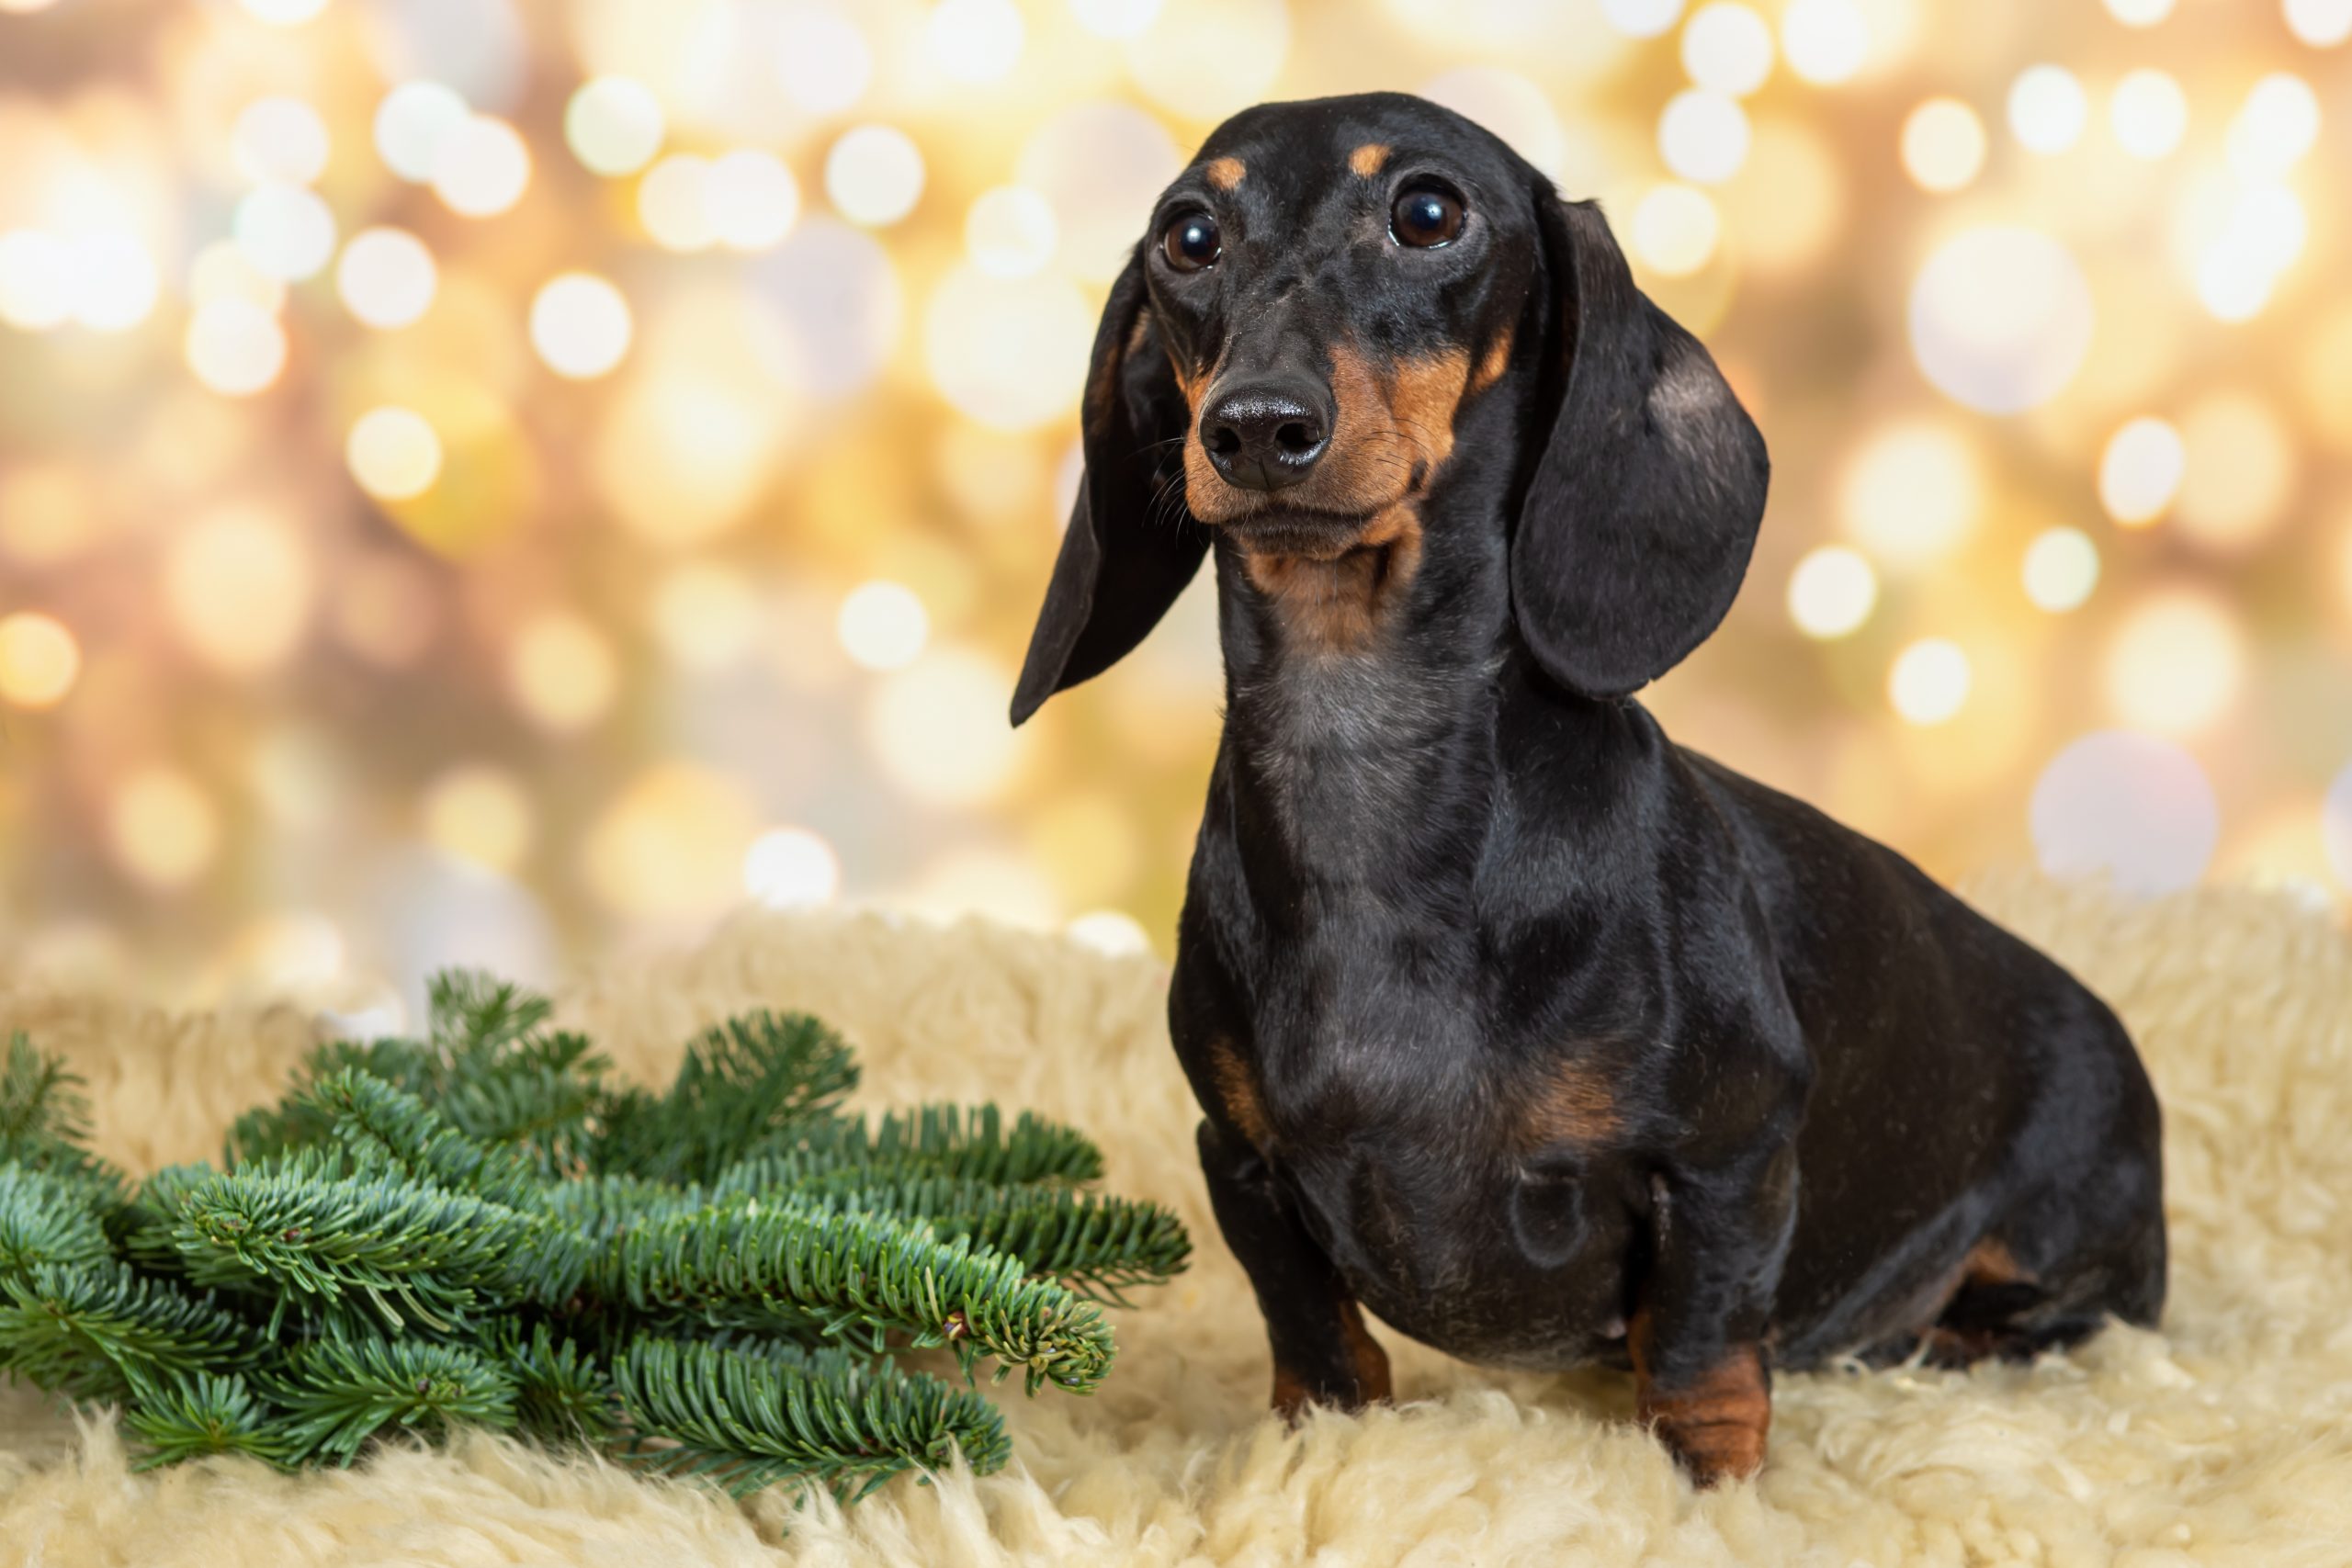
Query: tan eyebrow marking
(1368, 159)
(1224, 173)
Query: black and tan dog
(1544, 1039)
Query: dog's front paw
(1713, 1451)
(1354, 1374)
(1715, 1426)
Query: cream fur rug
(2227, 1438)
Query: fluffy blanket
(2225, 1439)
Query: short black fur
(1544, 1039)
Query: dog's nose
(1265, 435)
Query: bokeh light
(481, 166)
(40, 660)
(791, 868)
(2174, 663)
(2148, 113)
(2335, 819)
(750, 200)
(1115, 18)
(222, 271)
(2140, 470)
(480, 812)
(1943, 144)
(1676, 230)
(412, 124)
(975, 40)
(112, 280)
(2001, 318)
(562, 671)
(2134, 810)
(883, 626)
(36, 280)
(1909, 494)
(709, 617)
(393, 454)
(674, 203)
(581, 326)
(1203, 59)
(2323, 24)
(1929, 681)
(285, 232)
(2139, 13)
(164, 829)
(386, 278)
(2239, 471)
(235, 347)
(280, 140)
(1010, 353)
(937, 727)
(1826, 41)
(2060, 570)
(614, 125)
(239, 583)
(1832, 592)
(1727, 47)
(1642, 18)
(1010, 232)
(2048, 108)
(822, 58)
(874, 175)
(1704, 135)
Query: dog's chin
(1310, 536)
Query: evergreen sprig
(478, 1227)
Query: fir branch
(81, 1329)
(143, 1228)
(473, 1012)
(746, 1081)
(316, 1239)
(299, 1123)
(45, 1121)
(800, 1271)
(542, 1096)
(747, 1417)
(337, 1392)
(562, 1395)
(387, 1128)
(932, 1140)
(185, 1415)
(47, 1219)
(1097, 1245)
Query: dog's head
(1323, 299)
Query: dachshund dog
(1544, 1039)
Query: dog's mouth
(1313, 535)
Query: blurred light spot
(1826, 41)
(2128, 808)
(824, 61)
(285, 230)
(1794, 201)
(1204, 58)
(613, 125)
(2323, 24)
(2149, 114)
(1011, 353)
(1642, 18)
(1100, 165)
(674, 203)
(686, 448)
(49, 511)
(2259, 239)
(480, 812)
(279, 140)
(2278, 124)
(1675, 229)
(39, 659)
(1704, 135)
(2140, 470)
(235, 347)
(1929, 681)
(874, 175)
(113, 279)
(239, 585)
(394, 453)
(882, 625)
(1010, 231)
(580, 324)
(1506, 103)
(2048, 108)
(1115, 18)
(838, 302)
(1943, 144)
(1727, 47)
(385, 610)
(36, 280)
(2335, 826)
(2060, 570)
(975, 40)
(2139, 13)
(222, 271)
(1110, 933)
(671, 846)
(165, 829)
(706, 615)
(2001, 318)
(791, 868)
(413, 123)
(562, 671)
(2240, 471)
(288, 953)
(283, 13)
(387, 278)
(2174, 663)
(1832, 592)
(1909, 494)
(481, 168)
(994, 884)
(938, 730)
(751, 200)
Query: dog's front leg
(1323, 1353)
(1719, 1238)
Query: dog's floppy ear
(1131, 546)
(1643, 510)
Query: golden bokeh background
(504, 481)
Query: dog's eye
(1425, 218)
(1192, 243)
